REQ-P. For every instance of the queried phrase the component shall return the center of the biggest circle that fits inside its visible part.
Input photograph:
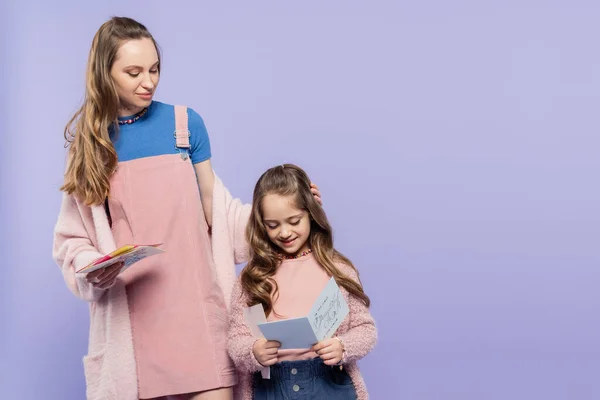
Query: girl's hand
(331, 351)
(315, 191)
(105, 277)
(266, 351)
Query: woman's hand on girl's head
(331, 351)
(105, 277)
(266, 351)
(315, 191)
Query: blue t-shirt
(152, 135)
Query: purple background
(455, 143)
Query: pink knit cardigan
(82, 234)
(357, 332)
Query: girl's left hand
(315, 191)
(330, 351)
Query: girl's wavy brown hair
(92, 157)
(257, 276)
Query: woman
(139, 172)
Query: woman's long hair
(92, 156)
(257, 277)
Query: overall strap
(182, 133)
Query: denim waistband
(301, 369)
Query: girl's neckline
(299, 256)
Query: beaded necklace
(134, 118)
(289, 257)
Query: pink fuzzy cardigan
(357, 332)
(82, 234)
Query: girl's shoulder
(237, 286)
(238, 293)
(346, 269)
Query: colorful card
(129, 255)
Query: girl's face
(135, 74)
(288, 227)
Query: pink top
(357, 332)
(300, 282)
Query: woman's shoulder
(195, 120)
(161, 106)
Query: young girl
(139, 172)
(291, 259)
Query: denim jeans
(303, 380)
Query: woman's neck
(126, 111)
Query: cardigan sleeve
(238, 215)
(73, 249)
(228, 239)
(240, 339)
(361, 337)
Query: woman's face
(135, 74)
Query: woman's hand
(105, 277)
(315, 191)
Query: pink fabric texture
(300, 282)
(182, 134)
(357, 332)
(82, 234)
(177, 309)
